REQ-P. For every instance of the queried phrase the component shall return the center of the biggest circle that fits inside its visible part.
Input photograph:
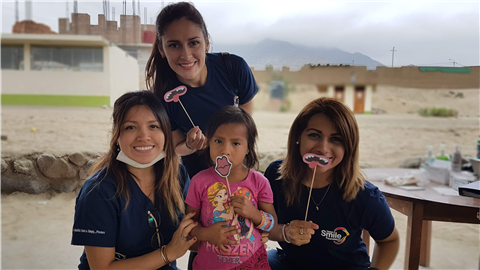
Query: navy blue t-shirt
(218, 92)
(101, 218)
(337, 244)
(202, 102)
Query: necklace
(317, 204)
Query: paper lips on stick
(174, 95)
(223, 166)
(315, 160)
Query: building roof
(46, 39)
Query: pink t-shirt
(209, 193)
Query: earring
(118, 147)
(297, 142)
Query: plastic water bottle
(442, 155)
(457, 160)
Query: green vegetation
(438, 112)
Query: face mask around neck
(123, 158)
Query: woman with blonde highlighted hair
(342, 203)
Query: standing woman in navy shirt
(180, 57)
(128, 214)
(342, 203)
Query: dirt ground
(36, 229)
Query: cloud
(422, 33)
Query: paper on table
(447, 191)
(411, 187)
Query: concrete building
(129, 31)
(64, 70)
(355, 85)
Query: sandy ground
(36, 229)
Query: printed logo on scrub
(338, 236)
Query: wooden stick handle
(186, 113)
(310, 194)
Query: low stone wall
(38, 172)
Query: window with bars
(67, 58)
(12, 57)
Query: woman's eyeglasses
(152, 222)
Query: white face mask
(123, 158)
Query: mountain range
(281, 53)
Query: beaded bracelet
(164, 256)
(267, 222)
(283, 233)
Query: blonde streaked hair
(167, 185)
(346, 175)
(212, 194)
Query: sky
(430, 33)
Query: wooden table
(422, 207)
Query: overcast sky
(423, 33)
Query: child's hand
(218, 234)
(244, 207)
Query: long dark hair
(347, 174)
(157, 71)
(167, 186)
(232, 114)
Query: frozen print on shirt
(245, 224)
(218, 198)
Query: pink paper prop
(174, 95)
(315, 160)
(223, 167)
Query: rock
(77, 159)
(23, 183)
(459, 95)
(55, 168)
(83, 173)
(66, 185)
(4, 137)
(378, 111)
(412, 163)
(24, 166)
(264, 162)
(4, 166)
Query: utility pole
(16, 11)
(68, 18)
(28, 10)
(453, 62)
(393, 55)
(75, 7)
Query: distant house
(64, 70)
(355, 86)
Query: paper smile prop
(223, 166)
(315, 160)
(174, 95)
